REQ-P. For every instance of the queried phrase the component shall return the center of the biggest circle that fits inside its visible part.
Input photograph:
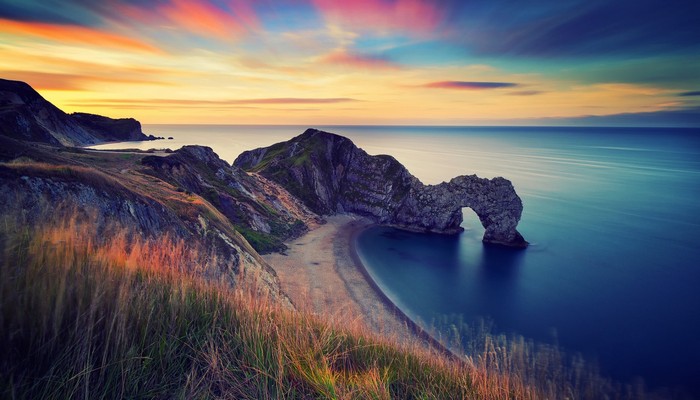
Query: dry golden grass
(123, 317)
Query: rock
(26, 116)
(263, 211)
(330, 174)
(108, 129)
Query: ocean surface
(612, 215)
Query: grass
(84, 319)
(119, 318)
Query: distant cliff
(26, 115)
(330, 174)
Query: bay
(613, 216)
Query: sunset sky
(358, 61)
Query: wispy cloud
(411, 17)
(202, 17)
(576, 28)
(526, 93)
(75, 34)
(469, 85)
(227, 102)
(357, 60)
(690, 94)
(62, 81)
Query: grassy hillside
(87, 318)
(90, 311)
(80, 319)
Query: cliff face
(41, 194)
(25, 115)
(330, 174)
(264, 212)
(109, 129)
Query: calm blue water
(614, 267)
(613, 216)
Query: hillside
(26, 115)
(96, 322)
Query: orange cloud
(74, 34)
(222, 103)
(410, 16)
(362, 61)
(62, 81)
(201, 17)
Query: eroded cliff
(330, 174)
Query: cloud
(576, 28)
(686, 117)
(49, 11)
(690, 94)
(467, 85)
(202, 17)
(413, 17)
(75, 34)
(62, 81)
(223, 103)
(526, 93)
(357, 60)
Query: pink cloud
(410, 16)
(354, 60)
(244, 12)
(200, 16)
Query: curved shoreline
(322, 272)
(416, 329)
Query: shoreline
(416, 329)
(322, 272)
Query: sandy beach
(320, 273)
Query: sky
(451, 62)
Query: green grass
(261, 242)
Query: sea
(613, 220)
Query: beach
(321, 273)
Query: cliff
(330, 174)
(111, 130)
(26, 115)
(264, 212)
(42, 184)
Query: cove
(612, 271)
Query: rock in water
(330, 174)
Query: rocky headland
(332, 175)
(267, 197)
(26, 115)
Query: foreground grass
(80, 319)
(124, 318)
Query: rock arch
(330, 174)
